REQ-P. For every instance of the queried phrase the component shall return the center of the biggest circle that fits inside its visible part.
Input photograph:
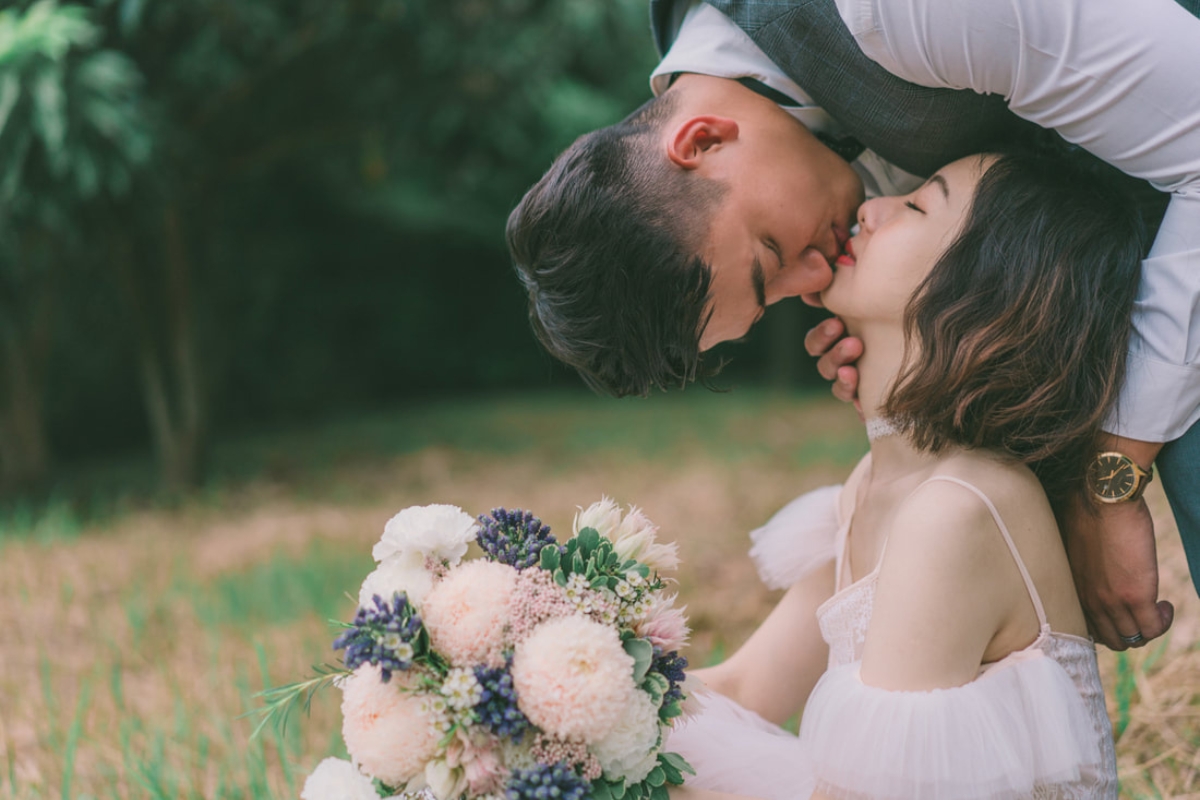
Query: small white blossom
(624, 590)
(461, 689)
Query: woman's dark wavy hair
(1021, 328)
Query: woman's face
(899, 240)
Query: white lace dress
(1032, 725)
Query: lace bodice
(845, 617)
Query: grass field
(134, 636)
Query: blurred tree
(320, 219)
(70, 134)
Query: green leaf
(670, 710)
(560, 577)
(550, 557)
(656, 686)
(600, 790)
(617, 789)
(659, 793)
(577, 564)
(677, 761)
(642, 653)
(674, 776)
(588, 539)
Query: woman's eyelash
(914, 206)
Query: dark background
(224, 215)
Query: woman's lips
(847, 258)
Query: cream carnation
(630, 749)
(397, 573)
(440, 532)
(573, 678)
(387, 735)
(467, 612)
(337, 779)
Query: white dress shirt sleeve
(1119, 79)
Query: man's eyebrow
(759, 282)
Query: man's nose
(808, 274)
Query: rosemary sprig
(278, 701)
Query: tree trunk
(24, 444)
(171, 380)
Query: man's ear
(696, 137)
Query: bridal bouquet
(538, 671)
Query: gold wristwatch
(1113, 477)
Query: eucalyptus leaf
(642, 653)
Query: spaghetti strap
(1033, 593)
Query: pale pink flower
(633, 536)
(467, 612)
(535, 599)
(604, 516)
(665, 625)
(438, 531)
(573, 678)
(385, 732)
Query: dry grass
(128, 652)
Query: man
(651, 241)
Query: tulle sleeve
(1017, 726)
(798, 539)
(736, 751)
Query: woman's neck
(892, 456)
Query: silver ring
(1137, 637)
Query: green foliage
(278, 702)
(70, 122)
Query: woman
(931, 602)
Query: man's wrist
(1142, 453)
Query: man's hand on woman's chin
(836, 354)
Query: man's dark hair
(606, 244)
(1017, 337)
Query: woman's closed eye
(914, 206)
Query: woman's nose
(876, 210)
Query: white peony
(397, 573)
(441, 532)
(338, 779)
(630, 750)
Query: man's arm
(1106, 77)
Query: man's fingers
(845, 388)
(843, 354)
(818, 340)
(1108, 630)
(1152, 620)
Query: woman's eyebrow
(941, 182)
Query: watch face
(1112, 476)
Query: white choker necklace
(879, 427)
